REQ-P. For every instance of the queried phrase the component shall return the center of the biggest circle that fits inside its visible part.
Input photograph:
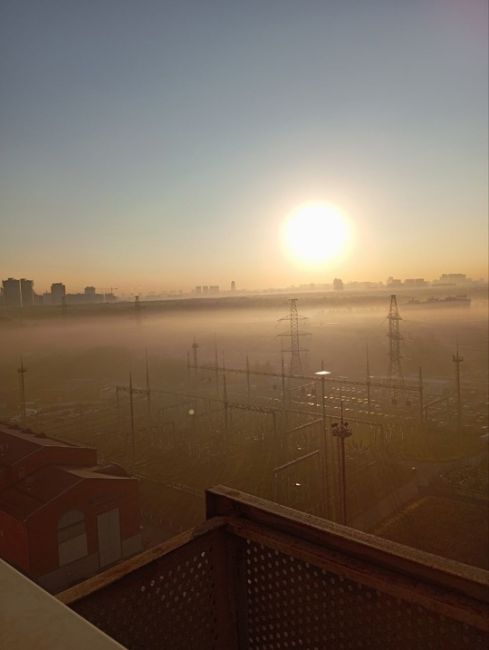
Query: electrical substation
(305, 437)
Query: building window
(72, 537)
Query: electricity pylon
(396, 377)
(295, 365)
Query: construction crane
(108, 292)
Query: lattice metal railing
(163, 598)
(258, 576)
(293, 604)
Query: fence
(258, 576)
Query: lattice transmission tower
(294, 334)
(396, 377)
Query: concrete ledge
(32, 618)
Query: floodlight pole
(323, 451)
(342, 431)
(133, 432)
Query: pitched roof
(34, 491)
(16, 444)
(28, 494)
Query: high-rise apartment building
(18, 293)
(58, 293)
(11, 292)
(27, 291)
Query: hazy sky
(159, 145)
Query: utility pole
(148, 387)
(276, 442)
(195, 348)
(396, 377)
(282, 372)
(216, 370)
(342, 431)
(421, 396)
(295, 351)
(248, 381)
(226, 405)
(131, 411)
(457, 360)
(284, 417)
(118, 408)
(22, 370)
(368, 382)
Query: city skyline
(168, 146)
(12, 289)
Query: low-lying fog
(67, 354)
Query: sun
(315, 233)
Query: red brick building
(63, 517)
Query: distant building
(62, 516)
(18, 293)
(58, 293)
(27, 291)
(394, 282)
(415, 282)
(364, 285)
(89, 295)
(233, 286)
(338, 284)
(214, 288)
(12, 296)
(453, 279)
(198, 291)
(205, 289)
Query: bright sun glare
(315, 233)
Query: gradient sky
(159, 145)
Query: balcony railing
(258, 576)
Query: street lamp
(322, 374)
(323, 452)
(341, 431)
